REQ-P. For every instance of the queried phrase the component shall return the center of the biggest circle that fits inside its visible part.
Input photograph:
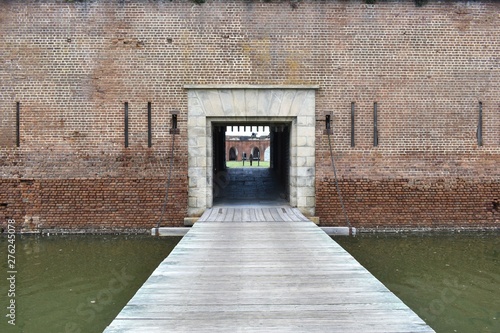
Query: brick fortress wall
(72, 66)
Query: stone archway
(256, 152)
(208, 104)
(233, 154)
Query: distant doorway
(237, 181)
(256, 153)
(233, 155)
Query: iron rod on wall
(352, 124)
(126, 124)
(174, 123)
(149, 125)
(18, 123)
(375, 126)
(480, 125)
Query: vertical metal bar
(480, 125)
(174, 122)
(375, 127)
(352, 124)
(126, 124)
(18, 123)
(149, 125)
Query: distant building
(239, 148)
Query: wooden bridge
(262, 270)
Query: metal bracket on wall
(327, 119)
(173, 123)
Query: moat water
(452, 281)
(79, 283)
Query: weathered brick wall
(438, 203)
(73, 65)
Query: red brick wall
(73, 65)
(440, 203)
(246, 146)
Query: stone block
(276, 99)
(311, 202)
(264, 103)
(305, 151)
(286, 104)
(192, 202)
(196, 110)
(314, 219)
(305, 172)
(238, 102)
(306, 191)
(306, 121)
(302, 141)
(227, 102)
(190, 221)
(251, 106)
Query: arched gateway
(233, 155)
(292, 106)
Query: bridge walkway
(262, 270)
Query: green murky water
(80, 283)
(76, 283)
(451, 281)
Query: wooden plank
(284, 214)
(210, 217)
(237, 215)
(259, 215)
(262, 276)
(221, 214)
(229, 215)
(246, 214)
(267, 214)
(276, 215)
(205, 215)
(252, 215)
(299, 215)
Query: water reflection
(451, 280)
